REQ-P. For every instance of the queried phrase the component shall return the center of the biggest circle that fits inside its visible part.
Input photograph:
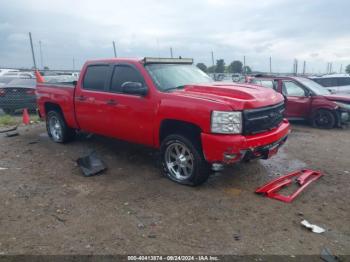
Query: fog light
(230, 156)
(344, 116)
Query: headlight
(223, 122)
(343, 105)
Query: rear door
(297, 99)
(91, 99)
(131, 116)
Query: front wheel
(324, 119)
(57, 128)
(183, 161)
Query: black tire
(67, 134)
(8, 111)
(201, 169)
(324, 119)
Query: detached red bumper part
(304, 178)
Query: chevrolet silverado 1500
(171, 105)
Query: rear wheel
(57, 128)
(324, 119)
(183, 161)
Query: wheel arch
(173, 126)
(49, 106)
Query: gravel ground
(48, 207)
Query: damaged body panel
(303, 178)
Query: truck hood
(237, 96)
(340, 98)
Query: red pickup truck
(171, 105)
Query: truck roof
(145, 60)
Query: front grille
(262, 119)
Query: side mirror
(75, 82)
(134, 88)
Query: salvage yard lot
(48, 207)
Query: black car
(17, 95)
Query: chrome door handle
(81, 98)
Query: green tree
(247, 70)
(202, 67)
(211, 69)
(347, 69)
(235, 67)
(220, 66)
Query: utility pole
(115, 51)
(244, 65)
(31, 46)
(341, 69)
(212, 58)
(296, 67)
(304, 67)
(270, 65)
(171, 52)
(293, 71)
(73, 63)
(330, 68)
(41, 55)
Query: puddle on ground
(281, 164)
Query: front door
(297, 100)
(131, 116)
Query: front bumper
(228, 149)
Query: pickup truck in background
(307, 100)
(171, 105)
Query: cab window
(290, 88)
(95, 77)
(123, 74)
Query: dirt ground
(48, 207)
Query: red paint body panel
(138, 119)
(59, 95)
(304, 107)
(305, 178)
(215, 146)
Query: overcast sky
(317, 31)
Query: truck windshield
(172, 76)
(313, 86)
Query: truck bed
(57, 93)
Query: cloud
(232, 29)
